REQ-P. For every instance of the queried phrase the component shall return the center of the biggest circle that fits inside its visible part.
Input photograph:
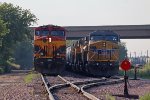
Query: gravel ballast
(13, 87)
(136, 89)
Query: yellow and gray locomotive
(96, 54)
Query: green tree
(122, 51)
(18, 21)
(24, 55)
(3, 32)
(3, 29)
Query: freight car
(49, 49)
(96, 54)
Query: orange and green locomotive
(49, 49)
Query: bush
(1, 70)
(7, 69)
(141, 72)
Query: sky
(92, 13)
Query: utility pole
(135, 58)
(141, 59)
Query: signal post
(125, 65)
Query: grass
(109, 97)
(28, 78)
(142, 73)
(145, 97)
(1, 70)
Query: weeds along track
(73, 87)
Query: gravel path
(13, 87)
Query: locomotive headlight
(50, 40)
(41, 54)
(110, 64)
(58, 54)
(97, 64)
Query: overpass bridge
(125, 31)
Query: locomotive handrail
(38, 51)
(114, 55)
(101, 54)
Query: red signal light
(125, 65)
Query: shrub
(7, 69)
(1, 70)
(141, 72)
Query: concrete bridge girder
(125, 31)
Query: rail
(88, 95)
(46, 84)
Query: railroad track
(78, 86)
(47, 85)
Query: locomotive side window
(57, 33)
(108, 38)
(45, 33)
(96, 38)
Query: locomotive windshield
(100, 37)
(52, 33)
(42, 33)
(57, 33)
(111, 38)
(96, 38)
